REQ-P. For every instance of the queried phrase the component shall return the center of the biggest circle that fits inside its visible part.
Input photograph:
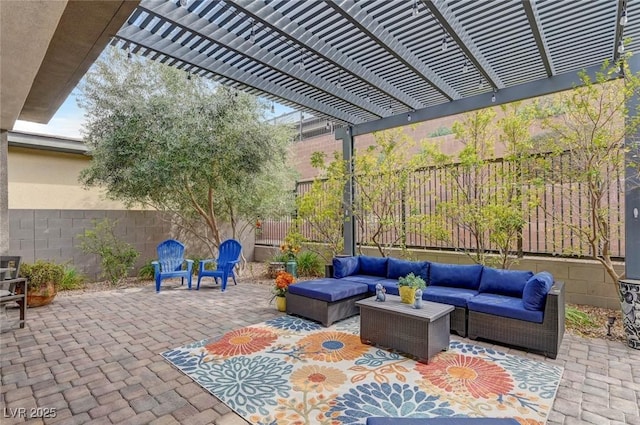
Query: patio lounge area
(94, 358)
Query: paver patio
(94, 357)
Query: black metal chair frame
(15, 287)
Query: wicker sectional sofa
(511, 307)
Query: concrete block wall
(53, 235)
(585, 281)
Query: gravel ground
(256, 273)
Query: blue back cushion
(345, 266)
(504, 282)
(397, 268)
(535, 291)
(455, 275)
(373, 266)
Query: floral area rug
(293, 371)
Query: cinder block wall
(52, 235)
(585, 281)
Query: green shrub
(578, 319)
(117, 257)
(309, 264)
(146, 272)
(42, 272)
(72, 279)
(280, 258)
(196, 265)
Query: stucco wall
(585, 281)
(40, 179)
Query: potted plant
(408, 285)
(290, 249)
(280, 288)
(43, 280)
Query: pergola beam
(261, 11)
(132, 34)
(359, 18)
(212, 32)
(531, 10)
(464, 41)
(510, 94)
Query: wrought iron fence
(429, 187)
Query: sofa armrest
(554, 311)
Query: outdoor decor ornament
(380, 296)
(418, 299)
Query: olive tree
(178, 143)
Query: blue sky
(67, 122)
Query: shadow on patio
(94, 358)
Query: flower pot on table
(407, 294)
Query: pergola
(370, 65)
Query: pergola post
(632, 191)
(346, 134)
(4, 192)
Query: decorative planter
(630, 303)
(43, 295)
(281, 304)
(407, 294)
(292, 267)
(274, 268)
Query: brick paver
(95, 358)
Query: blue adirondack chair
(228, 257)
(170, 261)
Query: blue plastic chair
(228, 257)
(170, 261)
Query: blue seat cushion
(390, 286)
(345, 266)
(363, 278)
(455, 275)
(441, 421)
(397, 268)
(504, 282)
(328, 289)
(503, 306)
(374, 266)
(534, 294)
(453, 296)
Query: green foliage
(381, 179)
(440, 131)
(200, 152)
(310, 264)
(578, 319)
(412, 281)
(280, 257)
(321, 208)
(488, 206)
(72, 279)
(117, 257)
(146, 272)
(42, 272)
(589, 140)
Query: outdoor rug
(293, 371)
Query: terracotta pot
(43, 295)
(407, 294)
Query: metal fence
(426, 188)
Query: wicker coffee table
(419, 332)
